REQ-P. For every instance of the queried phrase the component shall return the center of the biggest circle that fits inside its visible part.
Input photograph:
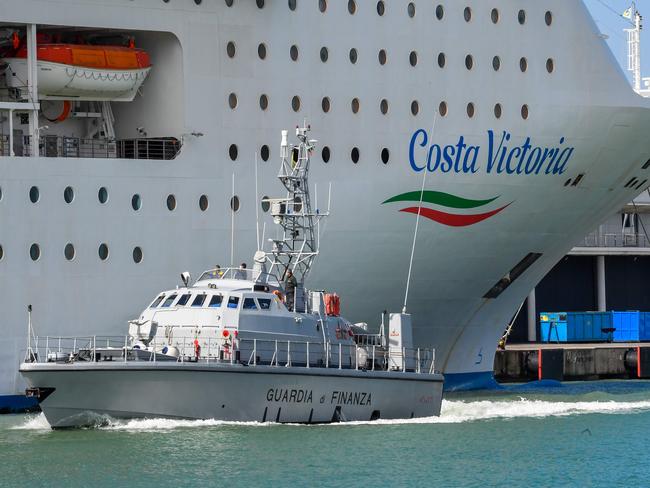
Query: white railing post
(373, 357)
(340, 358)
(47, 347)
(275, 354)
(254, 352)
(327, 354)
(126, 339)
(307, 354)
(208, 358)
(418, 367)
(289, 354)
(59, 344)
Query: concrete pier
(572, 362)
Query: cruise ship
(137, 140)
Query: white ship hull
(588, 105)
(93, 394)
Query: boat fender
(15, 40)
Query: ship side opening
(90, 93)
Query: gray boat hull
(84, 394)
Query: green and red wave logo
(458, 211)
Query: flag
(628, 13)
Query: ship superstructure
(537, 133)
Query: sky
(607, 14)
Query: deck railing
(249, 352)
(54, 146)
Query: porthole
(35, 252)
(264, 101)
(550, 65)
(137, 254)
(469, 62)
(34, 194)
(411, 9)
(496, 63)
(264, 153)
(171, 203)
(292, 5)
(470, 110)
(266, 205)
(68, 251)
(548, 18)
(353, 55)
(413, 58)
(103, 252)
(260, 3)
(524, 112)
(523, 65)
(102, 195)
(381, 8)
(352, 7)
(261, 50)
(68, 194)
(385, 155)
(136, 202)
(233, 151)
(232, 101)
(325, 104)
(442, 60)
(415, 107)
(498, 111)
(229, 3)
(230, 49)
(494, 15)
(324, 54)
(203, 203)
(383, 106)
(293, 52)
(322, 5)
(440, 12)
(295, 103)
(354, 155)
(325, 154)
(2, 253)
(442, 109)
(234, 203)
(467, 14)
(521, 17)
(382, 56)
(355, 105)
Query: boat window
(169, 301)
(233, 302)
(249, 304)
(215, 301)
(265, 303)
(182, 301)
(157, 301)
(198, 301)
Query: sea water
(592, 434)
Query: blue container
(627, 326)
(644, 326)
(553, 327)
(588, 326)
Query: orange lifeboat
(82, 72)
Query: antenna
(257, 208)
(634, 48)
(417, 221)
(232, 222)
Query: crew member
(290, 284)
(240, 274)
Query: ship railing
(613, 239)
(249, 352)
(56, 146)
(244, 274)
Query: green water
(560, 436)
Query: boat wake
(453, 412)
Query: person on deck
(290, 284)
(240, 274)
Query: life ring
(63, 115)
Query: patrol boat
(243, 344)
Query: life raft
(82, 72)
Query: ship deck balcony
(53, 146)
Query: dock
(572, 362)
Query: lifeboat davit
(82, 72)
